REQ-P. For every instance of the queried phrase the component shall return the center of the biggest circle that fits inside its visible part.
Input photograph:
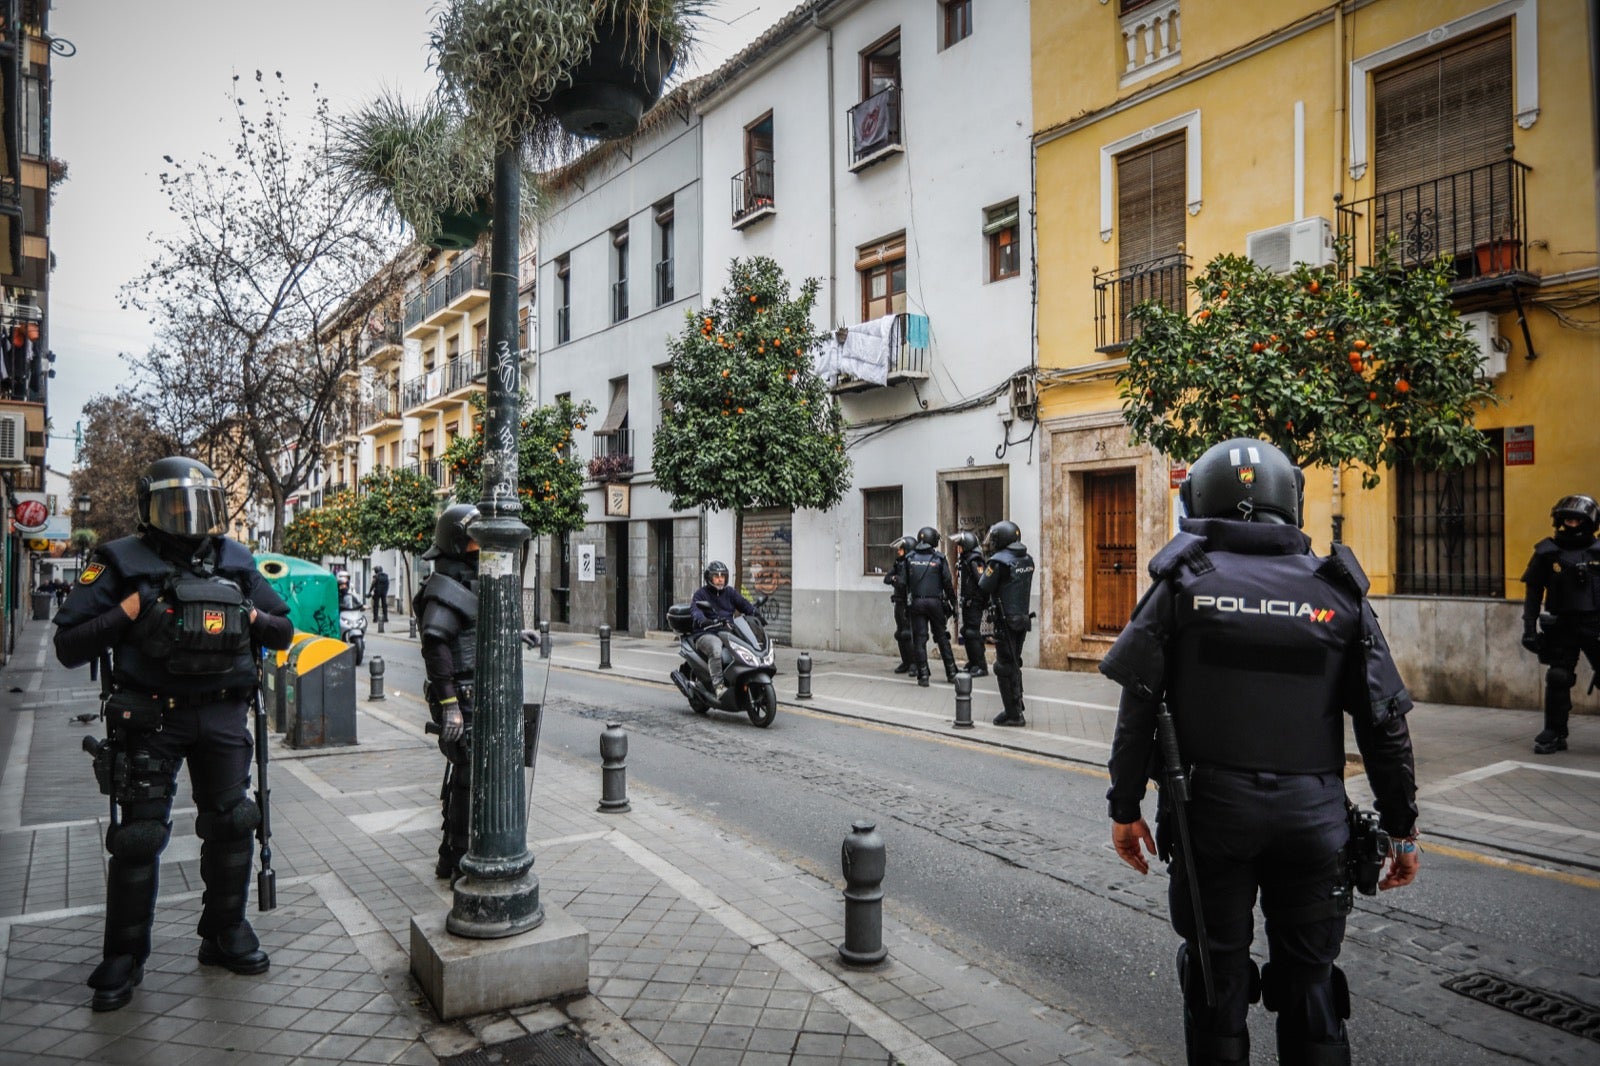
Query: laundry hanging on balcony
(865, 351)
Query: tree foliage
(332, 529)
(549, 478)
(747, 422)
(1336, 368)
(119, 440)
(397, 512)
(270, 250)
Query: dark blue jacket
(712, 607)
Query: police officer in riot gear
(1008, 582)
(1563, 578)
(896, 580)
(183, 614)
(932, 594)
(380, 595)
(711, 609)
(969, 570)
(446, 609)
(1257, 647)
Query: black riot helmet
(713, 568)
(927, 537)
(1002, 535)
(181, 499)
(902, 545)
(966, 540)
(1246, 480)
(452, 536)
(1583, 508)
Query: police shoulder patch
(91, 573)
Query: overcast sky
(152, 78)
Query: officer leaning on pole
(896, 580)
(1564, 578)
(931, 593)
(1236, 667)
(1008, 582)
(446, 609)
(969, 568)
(183, 613)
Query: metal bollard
(802, 669)
(614, 770)
(544, 640)
(412, 619)
(963, 701)
(605, 647)
(863, 859)
(375, 668)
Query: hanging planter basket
(461, 229)
(611, 90)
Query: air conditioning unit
(1308, 241)
(1484, 329)
(13, 438)
(1024, 397)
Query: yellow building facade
(1167, 133)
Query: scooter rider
(713, 606)
(969, 566)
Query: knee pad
(1561, 677)
(1279, 982)
(232, 823)
(139, 841)
(1341, 993)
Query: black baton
(1177, 784)
(267, 880)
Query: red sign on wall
(1519, 446)
(1175, 475)
(31, 516)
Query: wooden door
(1110, 515)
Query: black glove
(949, 611)
(530, 638)
(1532, 641)
(451, 724)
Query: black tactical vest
(925, 570)
(1011, 598)
(1570, 575)
(447, 608)
(971, 574)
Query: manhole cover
(553, 1047)
(1565, 1014)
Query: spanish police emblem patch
(1247, 475)
(90, 572)
(213, 621)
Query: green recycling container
(311, 591)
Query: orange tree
(1337, 368)
(747, 421)
(332, 529)
(549, 479)
(397, 513)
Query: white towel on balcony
(825, 359)
(869, 350)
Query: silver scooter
(747, 666)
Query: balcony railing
(469, 274)
(613, 455)
(909, 363)
(463, 370)
(414, 392)
(753, 193)
(563, 325)
(1476, 218)
(1150, 38)
(664, 283)
(1118, 292)
(875, 128)
(437, 471)
(386, 335)
(619, 300)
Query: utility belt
(134, 709)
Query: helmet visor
(188, 507)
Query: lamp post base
(462, 977)
(487, 909)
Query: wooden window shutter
(1445, 113)
(1150, 201)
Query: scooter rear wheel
(763, 704)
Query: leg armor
(902, 633)
(1204, 1047)
(919, 642)
(972, 638)
(224, 826)
(143, 788)
(456, 805)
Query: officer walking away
(896, 580)
(446, 609)
(1564, 578)
(183, 613)
(931, 591)
(711, 608)
(1239, 661)
(969, 570)
(380, 595)
(1008, 582)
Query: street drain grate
(553, 1047)
(1565, 1014)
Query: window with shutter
(1151, 193)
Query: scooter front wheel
(360, 647)
(763, 704)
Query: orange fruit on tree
(1402, 385)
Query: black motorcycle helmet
(1583, 508)
(713, 568)
(966, 540)
(902, 545)
(1003, 534)
(452, 536)
(182, 500)
(1246, 480)
(927, 537)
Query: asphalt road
(1006, 858)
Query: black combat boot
(922, 678)
(236, 949)
(113, 981)
(1549, 742)
(903, 668)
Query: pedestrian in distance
(1008, 583)
(931, 596)
(446, 610)
(380, 595)
(1237, 667)
(1563, 580)
(714, 605)
(896, 580)
(969, 573)
(182, 613)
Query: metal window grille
(883, 511)
(1450, 529)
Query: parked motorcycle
(353, 626)
(747, 667)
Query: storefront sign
(1519, 446)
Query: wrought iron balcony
(664, 282)
(753, 194)
(1118, 292)
(875, 128)
(613, 456)
(910, 361)
(1475, 218)
(563, 325)
(619, 300)
(463, 370)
